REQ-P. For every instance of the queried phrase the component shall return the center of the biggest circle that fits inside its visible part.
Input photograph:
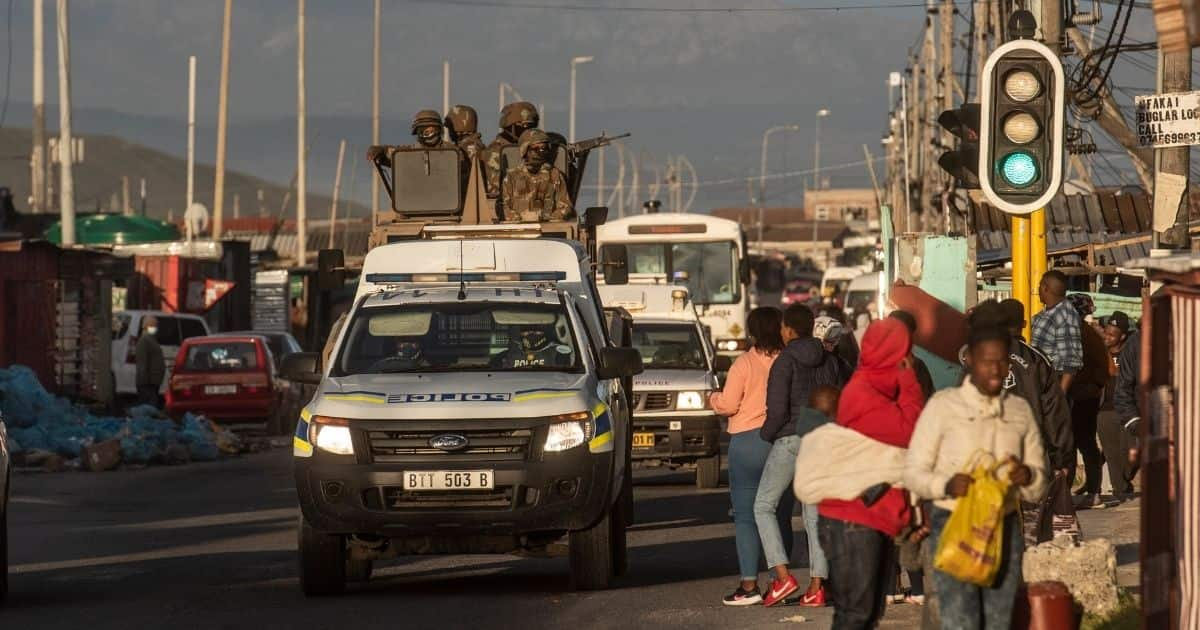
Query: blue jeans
(775, 485)
(965, 606)
(747, 454)
(863, 561)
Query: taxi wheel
(322, 562)
(708, 472)
(591, 552)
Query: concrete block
(1088, 569)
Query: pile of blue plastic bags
(40, 421)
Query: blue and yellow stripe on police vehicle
(300, 444)
(602, 442)
(527, 395)
(374, 398)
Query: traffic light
(1021, 135)
(962, 163)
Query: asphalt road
(213, 546)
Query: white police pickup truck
(472, 404)
(673, 423)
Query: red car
(226, 378)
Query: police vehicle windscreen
(453, 337)
(669, 346)
(709, 270)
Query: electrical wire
(774, 176)
(495, 4)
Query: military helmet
(462, 119)
(532, 137)
(424, 118)
(519, 113)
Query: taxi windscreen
(452, 337)
(669, 346)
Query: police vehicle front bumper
(534, 491)
(676, 437)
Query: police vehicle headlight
(576, 431)
(332, 435)
(690, 400)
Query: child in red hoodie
(882, 401)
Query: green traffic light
(1019, 169)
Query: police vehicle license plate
(220, 389)
(449, 480)
(643, 440)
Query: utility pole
(907, 157)
(982, 32)
(946, 40)
(375, 113)
(237, 206)
(600, 176)
(1175, 74)
(301, 145)
(66, 153)
(142, 198)
(37, 161)
(191, 133)
(337, 188)
(126, 208)
(222, 121)
(445, 96)
(929, 131)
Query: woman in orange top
(744, 402)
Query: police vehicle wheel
(358, 570)
(591, 552)
(708, 472)
(322, 562)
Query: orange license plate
(643, 440)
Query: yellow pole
(1037, 258)
(1020, 265)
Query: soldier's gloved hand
(376, 151)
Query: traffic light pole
(1020, 265)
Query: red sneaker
(814, 600)
(780, 590)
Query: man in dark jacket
(148, 358)
(1119, 436)
(800, 369)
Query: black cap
(1120, 320)
(1013, 312)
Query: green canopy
(115, 229)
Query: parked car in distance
(5, 478)
(280, 343)
(173, 329)
(227, 378)
(295, 395)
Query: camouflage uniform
(515, 118)
(533, 191)
(462, 123)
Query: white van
(173, 328)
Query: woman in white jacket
(957, 424)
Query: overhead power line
(497, 4)
(755, 178)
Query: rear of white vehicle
(173, 329)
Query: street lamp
(762, 175)
(821, 113)
(574, 62)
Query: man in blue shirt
(1056, 329)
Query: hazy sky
(756, 69)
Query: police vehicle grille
(395, 498)
(653, 401)
(482, 445)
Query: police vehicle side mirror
(619, 363)
(595, 216)
(301, 367)
(614, 264)
(331, 269)
(722, 363)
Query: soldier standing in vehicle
(462, 123)
(535, 190)
(426, 126)
(515, 119)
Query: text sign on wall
(1168, 120)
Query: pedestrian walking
(882, 401)
(1086, 394)
(1056, 330)
(743, 400)
(803, 366)
(149, 364)
(1118, 426)
(959, 424)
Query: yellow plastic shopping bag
(972, 540)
